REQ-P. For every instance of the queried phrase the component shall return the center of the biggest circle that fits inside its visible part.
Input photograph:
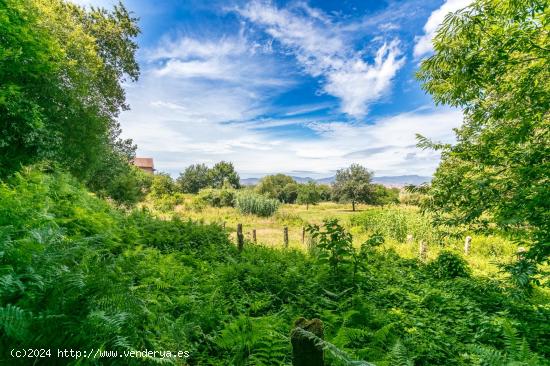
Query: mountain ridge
(389, 181)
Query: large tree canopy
(353, 185)
(492, 59)
(61, 70)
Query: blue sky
(298, 87)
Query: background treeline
(219, 187)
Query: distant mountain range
(389, 181)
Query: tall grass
(396, 223)
(255, 204)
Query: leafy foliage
(77, 273)
(492, 59)
(61, 72)
(353, 185)
(279, 186)
(193, 178)
(449, 265)
(308, 194)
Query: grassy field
(393, 222)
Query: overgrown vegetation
(83, 268)
(77, 273)
(255, 204)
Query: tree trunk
(353, 205)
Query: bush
(214, 197)
(448, 265)
(167, 202)
(256, 204)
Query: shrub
(449, 265)
(214, 197)
(255, 204)
(167, 202)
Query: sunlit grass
(486, 254)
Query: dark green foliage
(223, 174)
(61, 70)
(193, 178)
(382, 195)
(308, 194)
(279, 186)
(334, 244)
(353, 185)
(223, 197)
(491, 60)
(199, 176)
(77, 273)
(449, 265)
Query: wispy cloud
(423, 44)
(322, 49)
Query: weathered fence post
(467, 244)
(254, 236)
(285, 232)
(240, 237)
(223, 225)
(409, 238)
(305, 350)
(423, 251)
(303, 235)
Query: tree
(278, 186)
(194, 178)
(353, 185)
(325, 192)
(61, 75)
(162, 184)
(382, 195)
(492, 60)
(308, 194)
(223, 174)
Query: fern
(398, 355)
(14, 321)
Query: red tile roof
(143, 162)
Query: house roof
(143, 162)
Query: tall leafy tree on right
(492, 59)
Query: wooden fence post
(240, 237)
(223, 225)
(254, 236)
(467, 244)
(285, 232)
(410, 238)
(303, 235)
(306, 351)
(423, 251)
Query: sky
(296, 87)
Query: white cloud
(323, 50)
(423, 44)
